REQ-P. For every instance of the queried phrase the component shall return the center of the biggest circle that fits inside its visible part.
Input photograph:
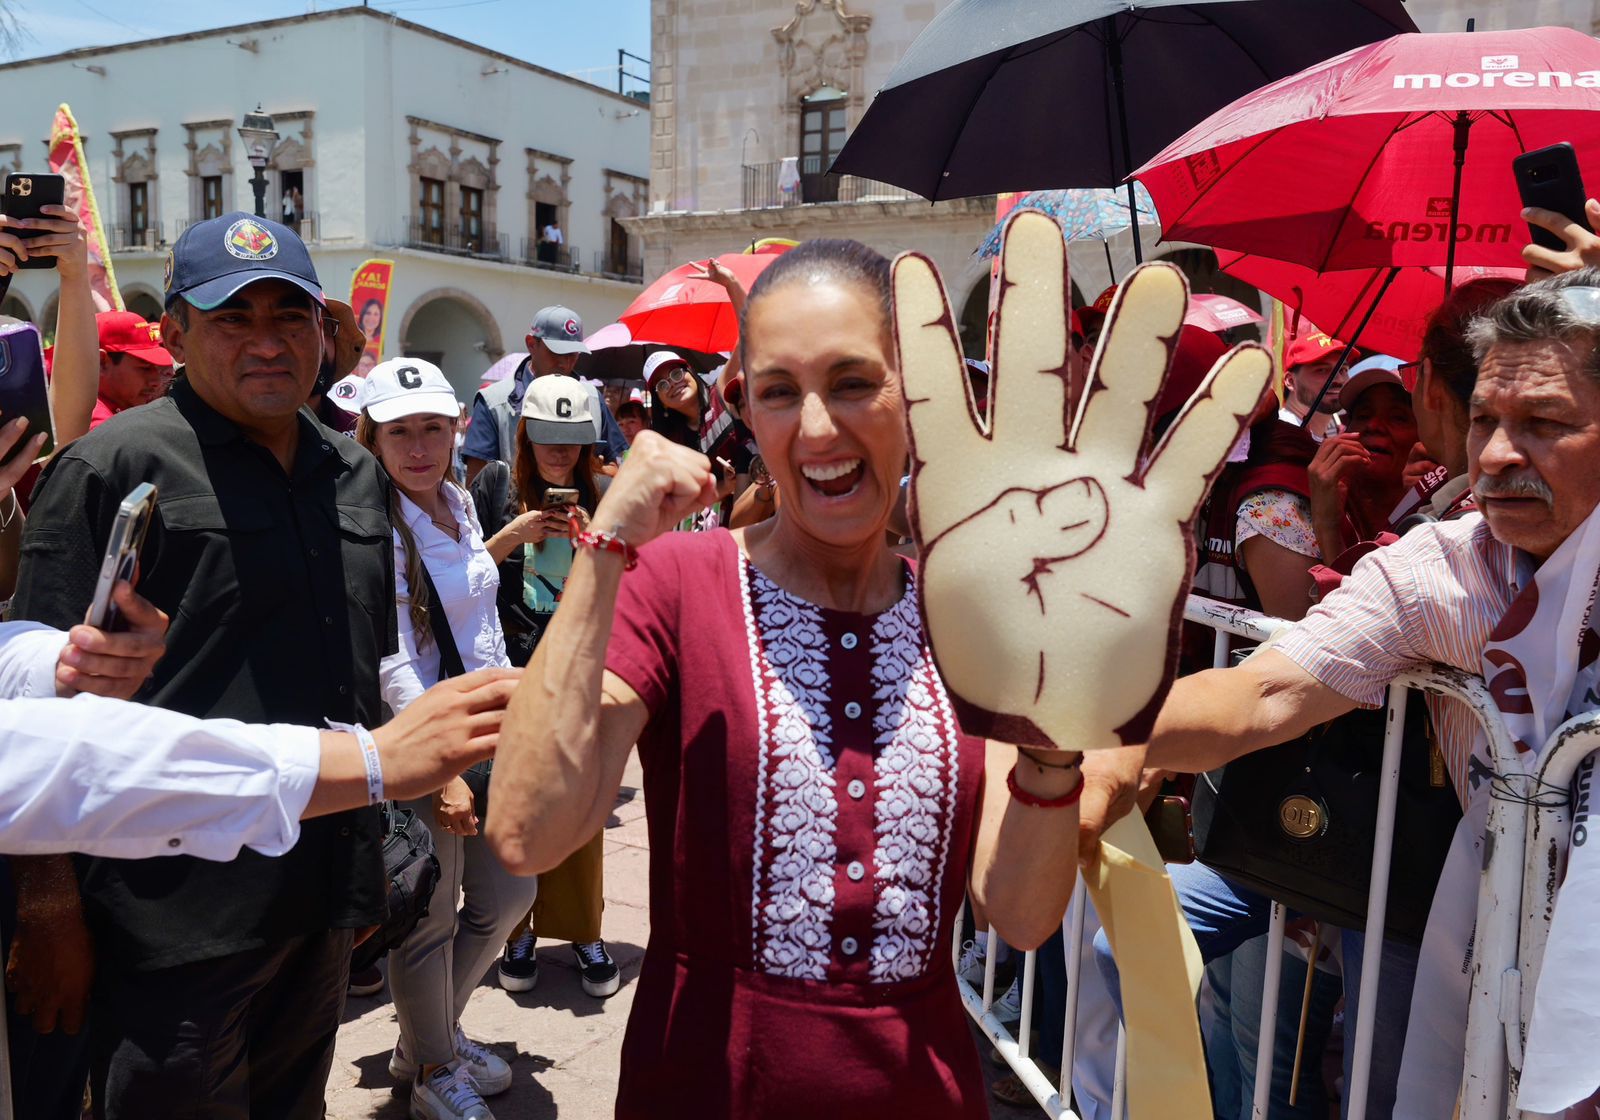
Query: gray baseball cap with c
(560, 329)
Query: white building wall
(1499, 15)
(360, 75)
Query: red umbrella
(1397, 153)
(1337, 301)
(683, 308)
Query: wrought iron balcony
(765, 187)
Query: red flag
(66, 160)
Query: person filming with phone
(530, 511)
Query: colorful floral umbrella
(1089, 213)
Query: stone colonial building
(394, 141)
(752, 99)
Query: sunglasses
(1409, 372)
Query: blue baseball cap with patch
(215, 258)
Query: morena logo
(1500, 70)
(1489, 233)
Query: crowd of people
(565, 572)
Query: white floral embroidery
(916, 773)
(795, 852)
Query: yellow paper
(1160, 967)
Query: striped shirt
(1433, 597)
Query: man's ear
(527, 343)
(172, 337)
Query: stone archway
(16, 305)
(457, 331)
(142, 301)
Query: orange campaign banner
(66, 160)
(369, 299)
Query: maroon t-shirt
(811, 807)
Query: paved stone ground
(563, 1046)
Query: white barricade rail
(1495, 948)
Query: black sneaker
(519, 967)
(367, 982)
(601, 977)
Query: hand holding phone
(22, 201)
(121, 561)
(24, 394)
(1550, 185)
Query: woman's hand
(452, 809)
(659, 485)
(62, 238)
(528, 528)
(12, 472)
(720, 275)
(1330, 486)
(558, 522)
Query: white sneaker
(450, 1094)
(488, 1069)
(401, 1067)
(1008, 1008)
(969, 966)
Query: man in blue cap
(554, 341)
(218, 987)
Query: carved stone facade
(824, 47)
(135, 171)
(549, 185)
(463, 161)
(210, 167)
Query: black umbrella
(1017, 95)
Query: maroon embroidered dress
(811, 813)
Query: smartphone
(26, 194)
(1548, 178)
(22, 387)
(1172, 828)
(121, 561)
(559, 496)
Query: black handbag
(1296, 822)
(410, 872)
(450, 665)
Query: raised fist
(1056, 549)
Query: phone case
(1549, 179)
(22, 387)
(25, 195)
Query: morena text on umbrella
(1510, 79)
(1489, 233)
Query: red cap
(1310, 347)
(1094, 313)
(123, 332)
(1197, 351)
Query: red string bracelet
(1064, 801)
(602, 542)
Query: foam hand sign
(1056, 550)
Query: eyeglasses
(673, 376)
(1409, 372)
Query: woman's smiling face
(826, 405)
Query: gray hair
(1564, 308)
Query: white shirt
(109, 778)
(467, 580)
(553, 234)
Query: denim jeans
(1223, 916)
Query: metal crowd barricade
(1495, 956)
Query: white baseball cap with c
(403, 387)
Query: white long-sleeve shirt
(109, 778)
(467, 580)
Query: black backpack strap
(450, 664)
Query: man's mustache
(1513, 486)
